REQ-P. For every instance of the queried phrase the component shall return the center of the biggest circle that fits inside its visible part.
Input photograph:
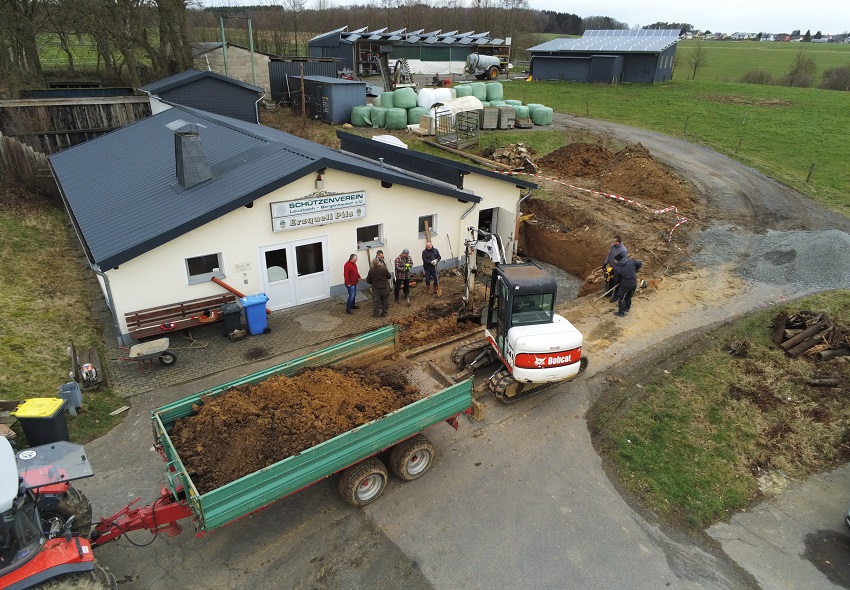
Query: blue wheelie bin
(255, 313)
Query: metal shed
(645, 55)
(283, 69)
(332, 99)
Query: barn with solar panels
(608, 57)
(434, 52)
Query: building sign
(316, 219)
(318, 209)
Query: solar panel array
(417, 36)
(642, 40)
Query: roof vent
(192, 166)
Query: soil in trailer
(251, 427)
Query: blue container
(255, 313)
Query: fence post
(811, 169)
(685, 130)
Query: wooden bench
(160, 320)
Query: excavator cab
(520, 295)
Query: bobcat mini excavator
(535, 347)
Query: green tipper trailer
(353, 453)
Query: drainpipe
(516, 223)
(257, 107)
(109, 301)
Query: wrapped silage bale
(532, 106)
(494, 91)
(442, 95)
(484, 103)
(463, 90)
(387, 100)
(379, 117)
(361, 116)
(542, 116)
(414, 114)
(425, 98)
(479, 90)
(513, 103)
(396, 118)
(521, 112)
(376, 102)
(454, 92)
(497, 103)
(404, 98)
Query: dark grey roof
(642, 40)
(120, 189)
(190, 76)
(202, 47)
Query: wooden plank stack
(814, 334)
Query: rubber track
(499, 383)
(460, 353)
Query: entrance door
(295, 272)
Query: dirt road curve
(521, 500)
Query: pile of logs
(810, 333)
(517, 156)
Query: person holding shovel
(403, 264)
(430, 258)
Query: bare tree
(697, 59)
(802, 72)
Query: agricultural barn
(608, 57)
(207, 91)
(249, 66)
(434, 52)
(164, 206)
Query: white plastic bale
(425, 98)
(442, 95)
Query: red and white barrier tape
(679, 218)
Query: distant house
(209, 56)
(206, 91)
(743, 36)
(612, 57)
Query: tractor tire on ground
(410, 459)
(465, 353)
(492, 73)
(100, 578)
(363, 483)
(62, 507)
(167, 358)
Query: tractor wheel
(62, 507)
(465, 353)
(100, 578)
(410, 459)
(503, 385)
(363, 483)
(493, 73)
(481, 76)
(167, 358)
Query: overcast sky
(723, 16)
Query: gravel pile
(809, 260)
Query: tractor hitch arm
(160, 516)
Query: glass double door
(295, 272)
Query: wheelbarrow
(145, 353)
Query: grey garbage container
(232, 313)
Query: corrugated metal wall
(640, 67)
(280, 69)
(567, 69)
(216, 96)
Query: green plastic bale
(532, 106)
(397, 118)
(479, 90)
(379, 117)
(387, 99)
(361, 116)
(521, 112)
(376, 102)
(542, 116)
(495, 91)
(404, 98)
(484, 103)
(414, 114)
(497, 103)
(463, 90)
(513, 103)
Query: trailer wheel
(168, 358)
(492, 72)
(363, 483)
(62, 507)
(410, 459)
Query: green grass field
(778, 130)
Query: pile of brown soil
(251, 427)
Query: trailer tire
(167, 358)
(63, 506)
(410, 459)
(363, 483)
(492, 73)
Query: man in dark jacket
(379, 277)
(430, 258)
(608, 266)
(625, 271)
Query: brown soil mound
(251, 427)
(576, 160)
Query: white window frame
(217, 272)
(432, 222)
(376, 242)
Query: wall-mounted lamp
(320, 184)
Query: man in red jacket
(351, 276)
